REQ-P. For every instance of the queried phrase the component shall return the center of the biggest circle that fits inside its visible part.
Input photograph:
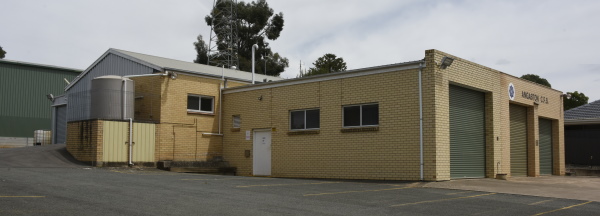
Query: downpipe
(130, 142)
(254, 47)
(421, 166)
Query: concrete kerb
(567, 187)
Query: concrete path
(49, 156)
(567, 187)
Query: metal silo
(112, 97)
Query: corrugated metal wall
(114, 141)
(79, 96)
(144, 143)
(518, 140)
(116, 138)
(61, 124)
(23, 89)
(545, 145)
(467, 133)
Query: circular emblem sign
(511, 91)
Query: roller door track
(545, 146)
(518, 140)
(467, 133)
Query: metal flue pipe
(254, 47)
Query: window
(304, 119)
(237, 121)
(198, 103)
(361, 115)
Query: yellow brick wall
(84, 140)
(147, 107)
(179, 134)
(392, 152)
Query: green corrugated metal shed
(24, 106)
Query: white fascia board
(206, 75)
(330, 76)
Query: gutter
(581, 121)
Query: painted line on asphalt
(22, 196)
(361, 191)
(441, 200)
(460, 192)
(540, 202)
(563, 208)
(200, 179)
(241, 178)
(274, 185)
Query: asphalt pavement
(81, 190)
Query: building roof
(584, 112)
(40, 65)
(162, 64)
(331, 76)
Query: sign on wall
(511, 91)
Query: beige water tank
(112, 97)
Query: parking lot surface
(104, 191)
(67, 189)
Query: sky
(557, 40)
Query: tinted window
(193, 102)
(352, 116)
(206, 104)
(312, 119)
(297, 120)
(370, 114)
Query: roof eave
(582, 121)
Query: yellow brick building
(389, 147)
(435, 119)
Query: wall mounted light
(446, 62)
(568, 96)
(50, 97)
(260, 98)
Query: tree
(577, 99)
(536, 79)
(2, 53)
(201, 51)
(328, 63)
(256, 22)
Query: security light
(568, 96)
(50, 97)
(446, 61)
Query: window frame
(212, 106)
(360, 115)
(305, 124)
(239, 122)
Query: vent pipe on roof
(254, 47)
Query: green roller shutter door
(545, 146)
(518, 140)
(467, 133)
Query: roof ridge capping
(164, 67)
(40, 65)
(486, 67)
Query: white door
(262, 153)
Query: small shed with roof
(582, 135)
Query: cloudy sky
(558, 40)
